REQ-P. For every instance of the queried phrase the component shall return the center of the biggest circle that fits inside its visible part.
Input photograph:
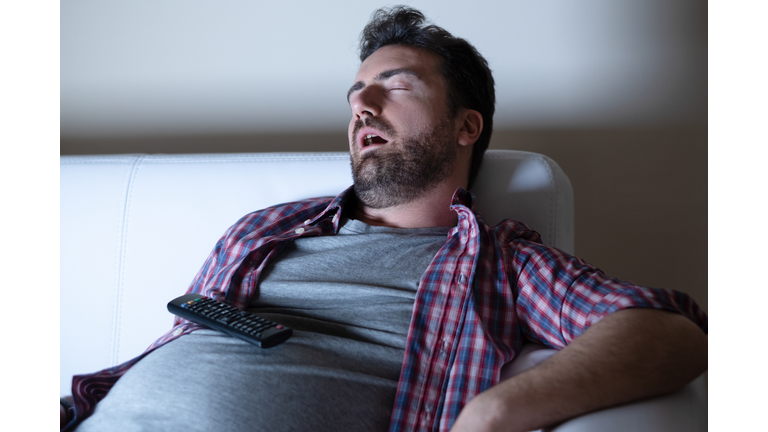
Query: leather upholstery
(136, 228)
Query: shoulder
(510, 230)
(523, 245)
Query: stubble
(405, 168)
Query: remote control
(230, 320)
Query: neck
(432, 209)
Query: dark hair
(468, 78)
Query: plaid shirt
(484, 293)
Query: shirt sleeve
(559, 296)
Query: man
(405, 305)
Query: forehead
(424, 63)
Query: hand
(484, 413)
(63, 412)
(63, 416)
(628, 355)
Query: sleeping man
(404, 303)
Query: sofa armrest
(681, 410)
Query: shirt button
(462, 278)
(306, 222)
(178, 331)
(299, 230)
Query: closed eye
(399, 86)
(384, 76)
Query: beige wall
(640, 194)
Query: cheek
(417, 116)
(349, 130)
(417, 122)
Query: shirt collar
(336, 208)
(463, 198)
(461, 201)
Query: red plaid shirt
(484, 293)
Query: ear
(470, 127)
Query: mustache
(374, 122)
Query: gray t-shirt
(349, 299)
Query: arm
(64, 404)
(628, 355)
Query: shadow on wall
(640, 194)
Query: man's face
(401, 139)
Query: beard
(403, 169)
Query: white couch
(136, 228)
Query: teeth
(368, 140)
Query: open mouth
(371, 139)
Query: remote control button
(229, 319)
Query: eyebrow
(381, 77)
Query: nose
(367, 102)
